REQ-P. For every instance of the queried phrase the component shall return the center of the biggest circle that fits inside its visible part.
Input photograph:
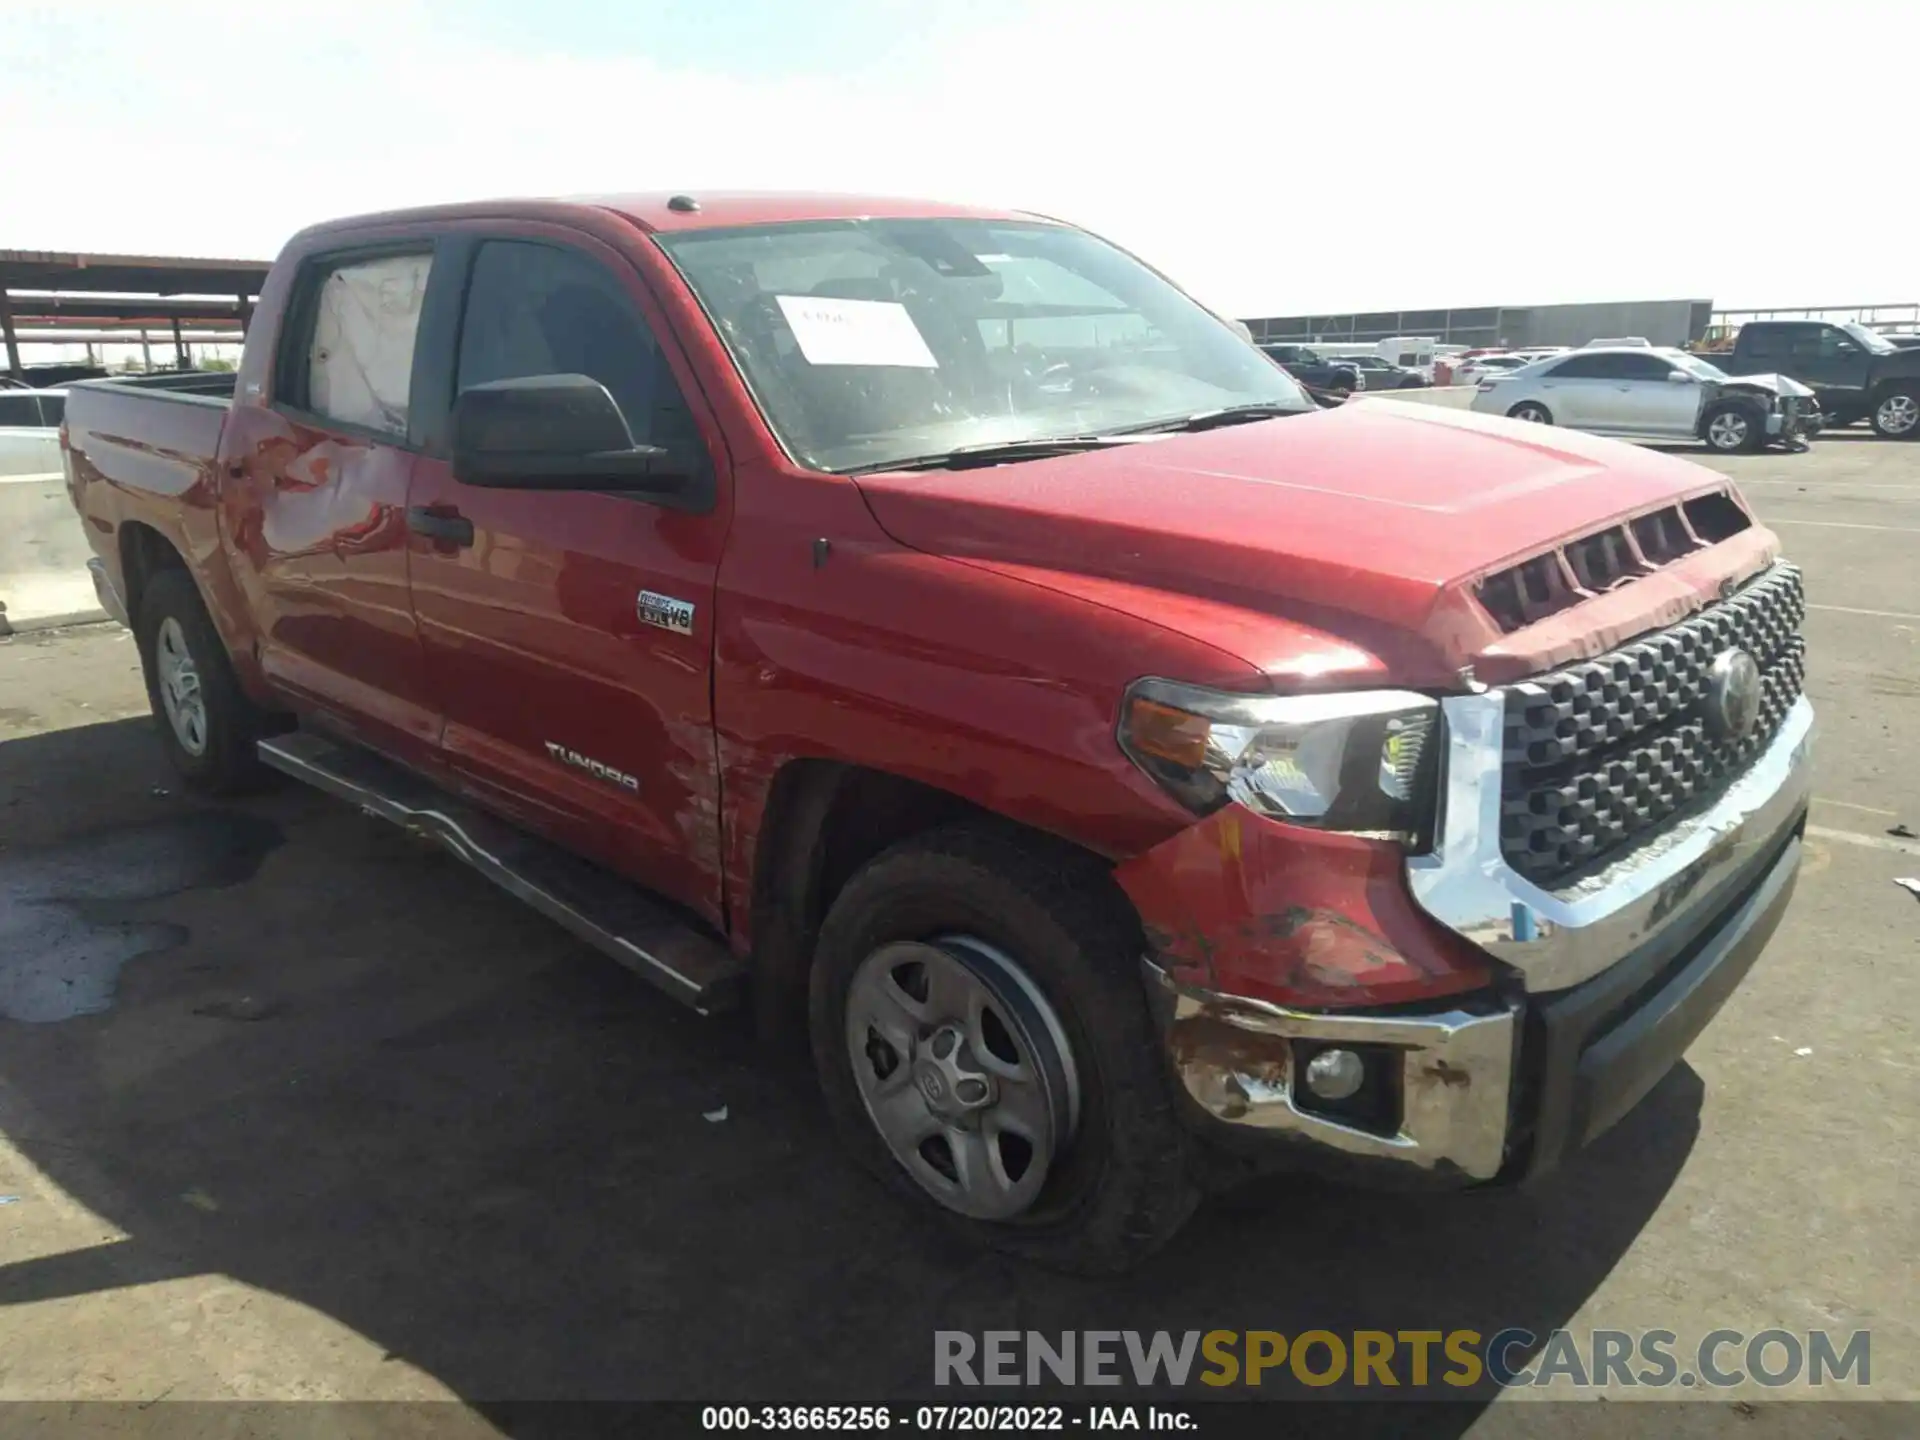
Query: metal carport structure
(73, 298)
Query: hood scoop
(1604, 560)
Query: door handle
(440, 526)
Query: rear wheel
(1897, 414)
(207, 725)
(1730, 428)
(1531, 411)
(983, 1042)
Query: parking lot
(354, 1124)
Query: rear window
(19, 407)
(351, 352)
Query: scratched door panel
(569, 702)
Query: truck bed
(142, 453)
(158, 434)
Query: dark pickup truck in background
(1383, 374)
(1309, 367)
(1856, 373)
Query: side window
(1580, 367)
(1643, 367)
(53, 409)
(1806, 342)
(1836, 344)
(355, 364)
(1767, 344)
(17, 407)
(535, 309)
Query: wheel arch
(144, 553)
(824, 820)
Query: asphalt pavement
(294, 1108)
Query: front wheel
(1897, 415)
(1729, 429)
(207, 725)
(982, 1039)
(1532, 412)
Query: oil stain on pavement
(65, 932)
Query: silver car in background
(1644, 392)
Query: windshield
(1870, 341)
(871, 342)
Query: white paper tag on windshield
(855, 332)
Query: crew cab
(1381, 374)
(1310, 367)
(933, 632)
(1854, 372)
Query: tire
(1115, 1182)
(215, 755)
(1730, 428)
(1531, 411)
(1341, 385)
(1896, 414)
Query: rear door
(568, 634)
(1576, 390)
(315, 490)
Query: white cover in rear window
(361, 361)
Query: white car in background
(1638, 392)
(1480, 367)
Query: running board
(610, 914)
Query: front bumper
(1606, 986)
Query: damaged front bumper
(1449, 1075)
(1597, 994)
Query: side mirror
(553, 432)
(1681, 377)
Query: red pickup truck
(933, 630)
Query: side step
(607, 912)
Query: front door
(315, 492)
(1831, 361)
(569, 634)
(1652, 402)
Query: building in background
(1664, 322)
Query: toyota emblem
(1733, 694)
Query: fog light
(1336, 1074)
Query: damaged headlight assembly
(1362, 763)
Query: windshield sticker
(855, 332)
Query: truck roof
(669, 211)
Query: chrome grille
(1598, 754)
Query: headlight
(1364, 763)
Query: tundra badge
(592, 767)
(665, 613)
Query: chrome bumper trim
(1555, 939)
(1233, 1056)
(103, 590)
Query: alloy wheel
(1727, 431)
(180, 693)
(1898, 414)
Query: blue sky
(1273, 157)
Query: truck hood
(1362, 529)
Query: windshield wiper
(1214, 419)
(994, 452)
